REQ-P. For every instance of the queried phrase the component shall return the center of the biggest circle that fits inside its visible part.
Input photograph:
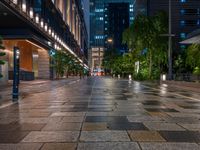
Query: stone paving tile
(97, 114)
(59, 146)
(40, 120)
(73, 119)
(108, 146)
(12, 137)
(35, 114)
(8, 120)
(106, 136)
(94, 126)
(58, 136)
(192, 115)
(30, 127)
(127, 126)
(61, 126)
(24, 146)
(159, 126)
(161, 110)
(114, 119)
(191, 127)
(181, 120)
(158, 114)
(146, 136)
(181, 136)
(169, 146)
(71, 114)
(8, 127)
(143, 118)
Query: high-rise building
(38, 28)
(98, 10)
(185, 17)
(86, 11)
(107, 17)
(115, 24)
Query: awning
(192, 38)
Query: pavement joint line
(191, 98)
(78, 140)
(139, 145)
(8, 104)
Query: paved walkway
(102, 114)
(32, 87)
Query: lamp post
(170, 42)
(169, 35)
(15, 94)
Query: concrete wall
(43, 64)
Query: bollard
(130, 77)
(118, 76)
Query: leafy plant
(192, 59)
(64, 64)
(144, 38)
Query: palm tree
(1, 54)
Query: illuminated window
(183, 1)
(183, 35)
(182, 23)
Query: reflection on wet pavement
(103, 114)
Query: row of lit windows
(100, 18)
(190, 11)
(99, 10)
(190, 22)
(99, 37)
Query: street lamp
(169, 35)
(170, 42)
(110, 40)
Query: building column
(79, 34)
(43, 64)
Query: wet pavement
(103, 114)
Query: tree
(193, 55)
(144, 38)
(109, 59)
(59, 63)
(1, 54)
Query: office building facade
(39, 28)
(116, 21)
(185, 17)
(104, 16)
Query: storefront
(34, 60)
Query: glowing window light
(45, 27)
(42, 23)
(52, 34)
(24, 6)
(50, 31)
(37, 18)
(31, 13)
(15, 2)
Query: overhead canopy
(192, 38)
